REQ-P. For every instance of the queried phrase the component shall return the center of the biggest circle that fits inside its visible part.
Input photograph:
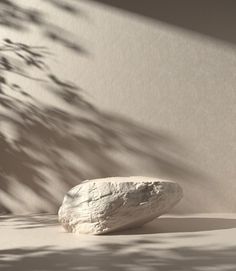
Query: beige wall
(161, 96)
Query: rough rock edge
(70, 222)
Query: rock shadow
(181, 225)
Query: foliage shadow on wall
(45, 150)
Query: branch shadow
(20, 18)
(67, 6)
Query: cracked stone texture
(103, 205)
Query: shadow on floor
(119, 257)
(30, 221)
(179, 224)
(159, 225)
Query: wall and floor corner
(126, 89)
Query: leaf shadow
(112, 257)
(19, 17)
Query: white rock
(104, 205)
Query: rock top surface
(104, 205)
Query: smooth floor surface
(192, 243)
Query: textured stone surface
(104, 205)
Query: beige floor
(194, 242)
